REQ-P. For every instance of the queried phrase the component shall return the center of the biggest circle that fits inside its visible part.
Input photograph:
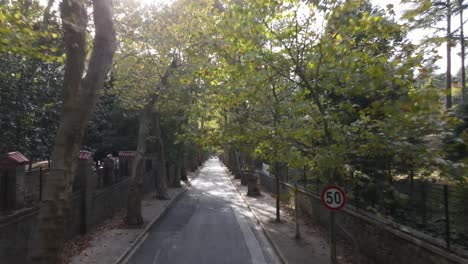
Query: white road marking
(252, 244)
(156, 256)
(137, 246)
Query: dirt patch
(344, 249)
(79, 244)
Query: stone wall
(19, 180)
(374, 239)
(16, 228)
(108, 201)
(269, 183)
(15, 234)
(75, 217)
(149, 183)
(91, 204)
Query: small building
(12, 171)
(126, 162)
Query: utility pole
(462, 44)
(448, 100)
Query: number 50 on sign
(333, 198)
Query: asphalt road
(209, 224)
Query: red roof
(85, 155)
(127, 154)
(17, 157)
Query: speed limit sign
(333, 198)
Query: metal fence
(434, 209)
(30, 190)
(33, 185)
(34, 181)
(108, 175)
(437, 210)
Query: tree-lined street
(209, 224)
(109, 107)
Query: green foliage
(31, 76)
(333, 85)
(159, 64)
(30, 101)
(456, 146)
(22, 32)
(328, 84)
(112, 128)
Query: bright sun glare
(167, 2)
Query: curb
(270, 239)
(142, 236)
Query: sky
(416, 35)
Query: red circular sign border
(345, 200)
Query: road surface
(209, 224)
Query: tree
(154, 75)
(29, 103)
(325, 92)
(112, 127)
(134, 216)
(30, 79)
(80, 97)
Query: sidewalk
(112, 239)
(312, 247)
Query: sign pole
(332, 238)
(334, 199)
(296, 209)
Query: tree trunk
(235, 165)
(247, 166)
(462, 55)
(183, 169)
(252, 186)
(230, 162)
(134, 216)
(170, 174)
(80, 97)
(193, 162)
(183, 174)
(159, 162)
(149, 146)
(177, 175)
